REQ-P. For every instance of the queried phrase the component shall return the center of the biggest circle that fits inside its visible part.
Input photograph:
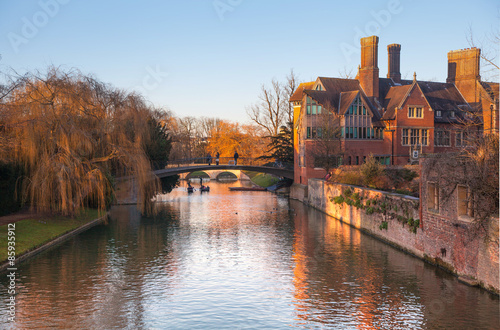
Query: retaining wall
(440, 241)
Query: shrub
(371, 170)
(338, 199)
(350, 177)
(370, 210)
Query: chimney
(394, 51)
(463, 65)
(368, 72)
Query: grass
(262, 179)
(31, 233)
(197, 174)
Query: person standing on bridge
(236, 157)
(217, 158)
(209, 159)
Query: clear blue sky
(210, 57)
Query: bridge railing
(226, 161)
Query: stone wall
(392, 218)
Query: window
(357, 160)
(463, 202)
(313, 107)
(416, 137)
(438, 114)
(384, 160)
(405, 136)
(441, 138)
(308, 136)
(414, 112)
(432, 196)
(349, 160)
(452, 114)
(461, 138)
(424, 140)
(358, 122)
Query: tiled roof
(442, 96)
(339, 94)
(346, 99)
(393, 98)
(322, 97)
(334, 87)
(297, 95)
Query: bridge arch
(227, 174)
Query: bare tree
(268, 112)
(206, 125)
(347, 73)
(274, 109)
(489, 52)
(290, 87)
(326, 134)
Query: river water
(232, 260)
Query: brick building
(392, 119)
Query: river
(232, 260)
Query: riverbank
(262, 179)
(40, 232)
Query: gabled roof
(444, 97)
(339, 94)
(297, 95)
(392, 100)
(321, 97)
(346, 99)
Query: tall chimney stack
(368, 72)
(394, 52)
(463, 65)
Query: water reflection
(235, 260)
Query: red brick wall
(415, 99)
(455, 240)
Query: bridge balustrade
(222, 161)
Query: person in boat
(201, 181)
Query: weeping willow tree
(73, 134)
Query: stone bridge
(126, 192)
(278, 171)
